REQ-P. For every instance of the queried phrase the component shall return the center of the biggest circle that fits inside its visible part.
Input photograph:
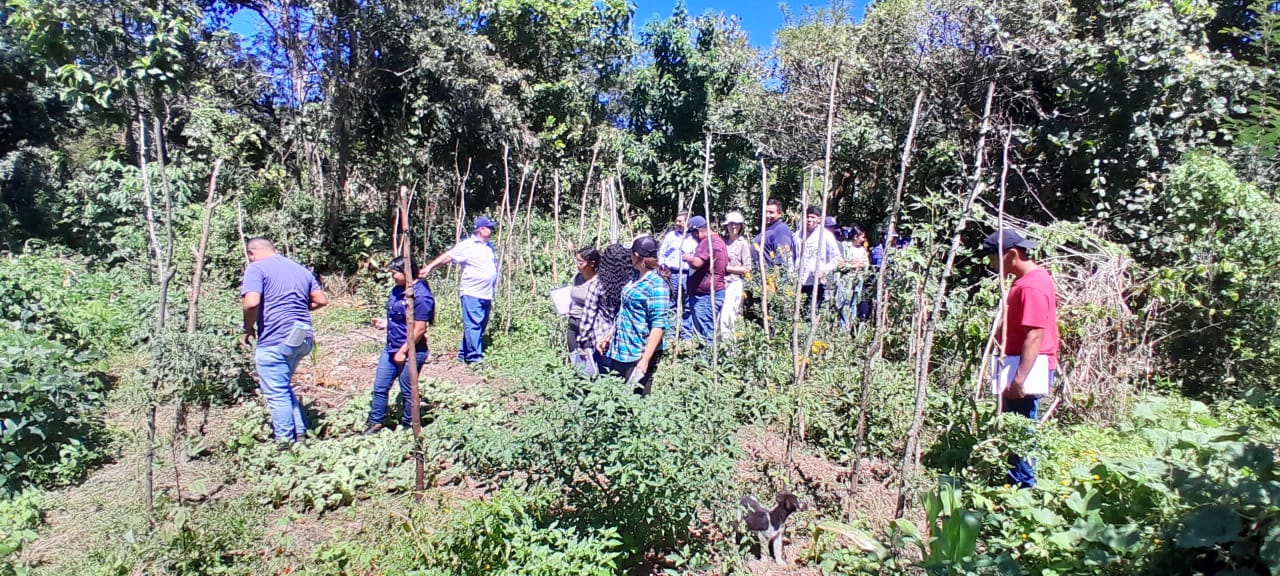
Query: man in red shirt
(1029, 331)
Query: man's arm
(1030, 349)
(319, 299)
(250, 304)
(440, 260)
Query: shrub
(643, 465)
(60, 298)
(50, 401)
(324, 474)
(201, 369)
(510, 533)
(19, 518)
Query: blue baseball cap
(485, 222)
(831, 222)
(697, 222)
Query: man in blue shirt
(278, 297)
(391, 363)
(776, 244)
(479, 263)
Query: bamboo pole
(910, 457)
(586, 186)
(411, 360)
(764, 273)
(711, 262)
(881, 303)
(822, 224)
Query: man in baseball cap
(1028, 337)
(479, 263)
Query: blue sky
(760, 18)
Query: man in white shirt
(819, 254)
(677, 243)
(479, 263)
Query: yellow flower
(1006, 486)
(1096, 477)
(818, 347)
(1066, 482)
(1024, 535)
(1156, 541)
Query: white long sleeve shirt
(819, 253)
(674, 245)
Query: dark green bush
(50, 401)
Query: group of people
(622, 307)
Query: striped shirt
(645, 304)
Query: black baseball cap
(645, 247)
(1006, 239)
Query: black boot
(371, 429)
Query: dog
(770, 524)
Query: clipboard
(562, 299)
(1037, 383)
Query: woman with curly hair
(600, 309)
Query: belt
(675, 270)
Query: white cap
(734, 217)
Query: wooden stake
(411, 360)
(911, 450)
(881, 303)
(764, 274)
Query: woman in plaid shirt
(634, 349)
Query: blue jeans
(705, 307)
(388, 372)
(475, 318)
(275, 373)
(1022, 471)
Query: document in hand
(1037, 383)
(562, 298)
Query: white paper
(1037, 383)
(562, 298)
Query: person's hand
(380, 323)
(422, 274)
(246, 341)
(602, 345)
(642, 366)
(1014, 391)
(400, 357)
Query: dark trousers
(624, 369)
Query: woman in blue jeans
(395, 355)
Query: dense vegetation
(139, 141)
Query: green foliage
(1196, 494)
(50, 400)
(1216, 238)
(645, 466)
(20, 516)
(51, 293)
(325, 473)
(200, 369)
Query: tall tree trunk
(876, 348)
